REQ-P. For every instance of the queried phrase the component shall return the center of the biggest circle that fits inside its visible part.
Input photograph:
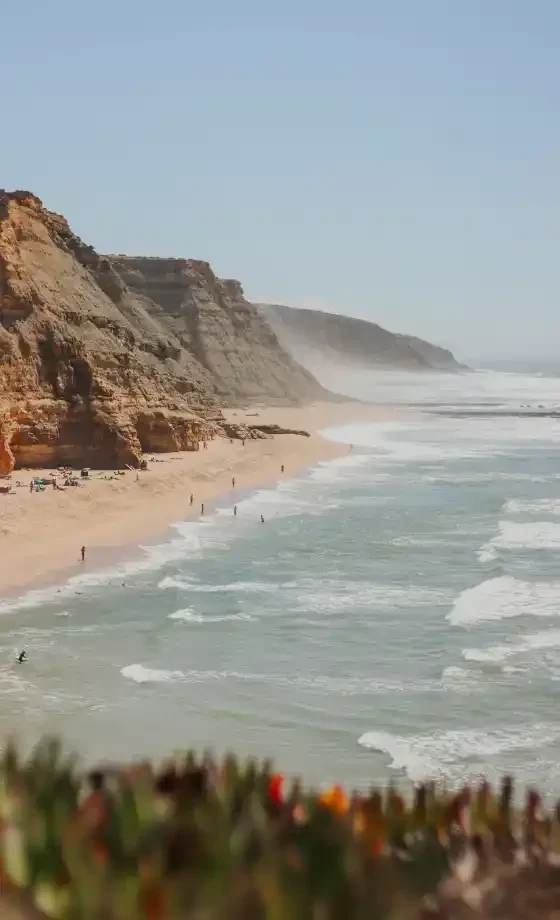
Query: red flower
(275, 787)
(376, 847)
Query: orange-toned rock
(104, 357)
(80, 358)
(7, 460)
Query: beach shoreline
(41, 533)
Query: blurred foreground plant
(212, 840)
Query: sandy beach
(41, 533)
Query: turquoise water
(397, 614)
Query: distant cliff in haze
(311, 335)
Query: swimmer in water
(262, 519)
(22, 656)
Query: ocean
(398, 613)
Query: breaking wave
(448, 753)
(503, 597)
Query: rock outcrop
(241, 431)
(104, 358)
(315, 338)
(212, 320)
(86, 376)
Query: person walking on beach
(202, 508)
(233, 482)
(83, 552)
(262, 519)
(192, 498)
(282, 468)
(235, 510)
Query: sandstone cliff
(101, 360)
(313, 337)
(213, 322)
(86, 376)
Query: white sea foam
(496, 654)
(461, 680)
(240, 587)
(503, 597)
(188, 615)
(539, 506)
(447, 753)
(141, 675)
(329, 595)
(453, 673)
(377, 437)
(479, 478)
(170, 581)
(488, 554)
(515, 535)
(440, 438)
(321, 684)
(332, 471)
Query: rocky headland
(314, 337)
(106, 357)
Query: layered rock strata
(102, 358)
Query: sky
(394, 160)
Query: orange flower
(336, 799)
(275, 787)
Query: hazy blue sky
(395, 160)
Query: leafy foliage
(209, 840)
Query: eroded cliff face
(102, 358)
(214, 323)
(314, 337)
(86, 376)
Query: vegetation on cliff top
(198, 838)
